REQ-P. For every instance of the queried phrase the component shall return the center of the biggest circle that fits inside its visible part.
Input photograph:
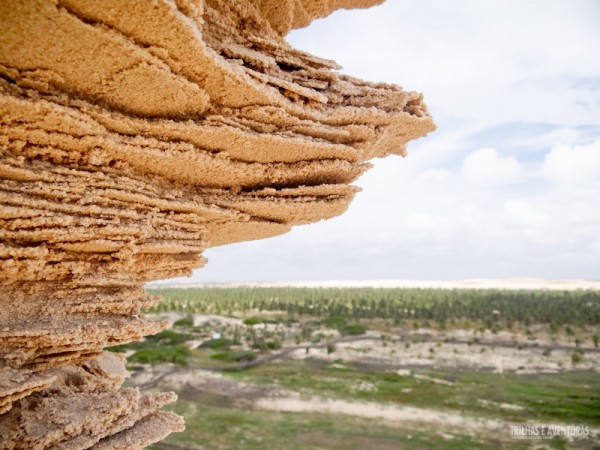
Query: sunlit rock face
(134, 134)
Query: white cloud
(573, 164)
(502, 60)
(521, 212)
(523, 203)
(485, 166)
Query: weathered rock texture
(133, 135)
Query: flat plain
(376, 368)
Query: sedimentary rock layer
(134, 134)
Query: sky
(509, 183)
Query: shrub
(117, 349)
(252, 321)
(186, 322)
(168, 337)
(235, 356)
(266, 345)
(576, 357)
(335, 322)
(353, 330)
(217, 344)
(177, 355)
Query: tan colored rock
(133, 136)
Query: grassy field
(213, 422)
(374, 369)
(562, 397)
(226, 428)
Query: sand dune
(507, 283)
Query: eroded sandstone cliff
(134, 134)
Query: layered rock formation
(134, 134)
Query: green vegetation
(217, 344)
(353, 330)
(161, 348)
(576, 357)
(495, 309)
(252, 321)
(168, 338)
(572, 397)
(261, 344)
(214, 427)
(335, 322)
(286, 340)
(119, 348)
(186, 322)
(160, 355)
(232, 356)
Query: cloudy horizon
(508, 185)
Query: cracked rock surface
(134, 134)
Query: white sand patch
(433, 380)
(453, 355)
(390, 413)
(213, 320)
(402, 416)
(501, 405)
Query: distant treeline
(490, 306)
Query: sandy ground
(425, 347)
(403, 416)
(405, 352)
(369, 410)
(458, 356)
